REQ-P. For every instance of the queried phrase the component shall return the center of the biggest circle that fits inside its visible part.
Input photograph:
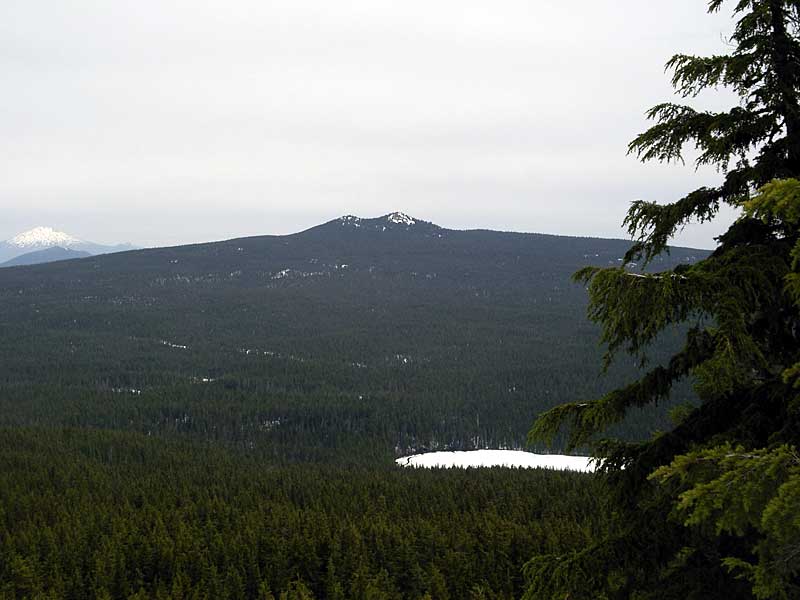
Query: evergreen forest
(222, 420)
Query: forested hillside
(354, 341)
(220, 420)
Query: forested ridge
(221, 420)
(420, 336)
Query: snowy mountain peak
(396, 223)
(399, 218)
(350, 220)
(42, 237)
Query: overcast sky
(171, 121)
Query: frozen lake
(498, 458)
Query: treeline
(327, 426)
(100, 514)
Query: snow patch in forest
(498, 458)
(169, 344)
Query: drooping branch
(693, 74)
(652, 225)
(720, 137)
(585, 419)
(633, 311)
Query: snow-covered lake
(498, 458)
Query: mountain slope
(44, 256)
(347, 335)
(42, 238)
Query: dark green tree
(708, 508)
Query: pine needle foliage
(707, 509)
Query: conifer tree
(707, 509)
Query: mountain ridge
(43, 238)
(52, 254)
(394, 234)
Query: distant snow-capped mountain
(42, 238)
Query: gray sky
(172, 121)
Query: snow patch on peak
(399, 218)
(395, 221)
(43, 237)
(350, 220)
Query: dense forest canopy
(104, 514)
(221, 420)
(707, 508)
(387, 337)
